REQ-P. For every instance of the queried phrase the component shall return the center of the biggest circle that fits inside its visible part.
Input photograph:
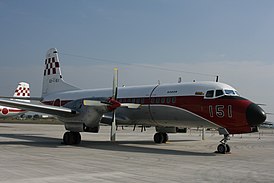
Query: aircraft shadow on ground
(37, 140)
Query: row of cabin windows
(154, 100)
(163, 100)
(132, 100)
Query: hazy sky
(234, 39)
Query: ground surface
(33, 153)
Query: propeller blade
(114, 96)
(113, 128)
(115, 84)
(93, 103)
(131, 106)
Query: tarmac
(34, 153)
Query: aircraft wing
(22, 98)
(53, 110)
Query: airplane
(22, 91)
(168, 107)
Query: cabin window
(157, 100)
(152, 100)
(138, 101)
(210, 93)
(163, 100)
(57, 102)
(133, 100)
(173, 100)
(219, 93)
(168, 100)
(142, 101)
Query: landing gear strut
(71, 138)
(160, 137)
(224, 147)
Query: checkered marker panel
(52, 66)
(22, 92)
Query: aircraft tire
(68, 138)
(227, 148)
(222, 148)
(71, 138)
(158, 138)
(165, 137)
(77, 137)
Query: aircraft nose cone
(255, 115)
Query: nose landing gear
(223, 147)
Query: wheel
(71, 138)
(221, 148)
(158, 138)
(227, 148)
(77, 137)
(165, 137)
(68, 138)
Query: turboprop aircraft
(22, 91)
(168, 107)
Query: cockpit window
(219, 93)
(237, 93)
(229, 92)
(210, 93)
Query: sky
(233, 39)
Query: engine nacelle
(87, 119)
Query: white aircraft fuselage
(180, 105)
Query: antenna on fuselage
(179, 80)
(217, 78)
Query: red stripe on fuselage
(228, 111)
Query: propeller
(114, 98)
(111, 104)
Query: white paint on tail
(53, 81)
(22, 90)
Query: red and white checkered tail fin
(22, 90)
(53, 80)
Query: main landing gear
(71, 138)
(224, 147)
(160, 137)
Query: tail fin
(53, 81)
(22, 90)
